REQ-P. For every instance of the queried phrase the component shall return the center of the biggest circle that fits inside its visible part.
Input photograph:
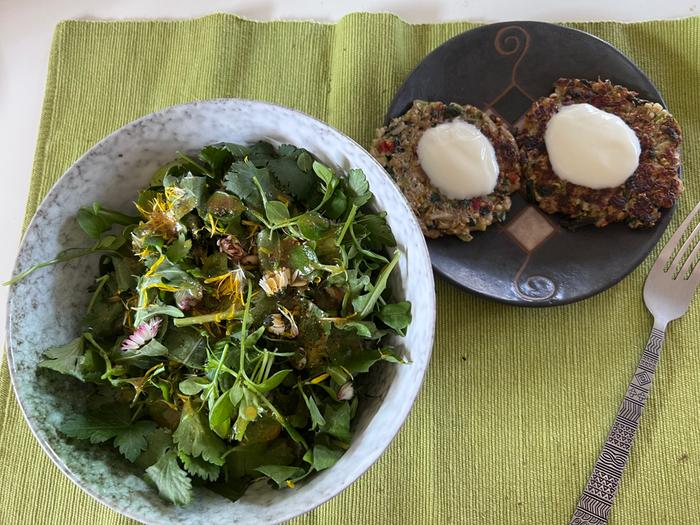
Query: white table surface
(26, 27)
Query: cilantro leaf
(172, 481)
(218, 157)
(112, 421)
(239, 181)
(194, 437)
(359, 188)
(292, 179)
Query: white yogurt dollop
(459, 160)
(591, 147)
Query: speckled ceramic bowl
(45, 309)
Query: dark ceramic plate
(530, 259)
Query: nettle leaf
(172, 481)
(111, 421)
(338, 421)
(199, 467)
(142, 357)
(194, 437)
(396, 316)
(280, 474)
(276, 212)
(218, 157)
(158, 441)
(359, 188)
(237, 150)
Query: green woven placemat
(517, 402)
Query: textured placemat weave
(517, 402)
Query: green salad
(231, 317)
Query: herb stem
(244, 330)
(100, 284)
(348, 221)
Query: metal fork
(668, 292)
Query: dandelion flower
(275, 282)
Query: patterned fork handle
(597, 498)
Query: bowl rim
(422, 254)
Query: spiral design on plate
(512, 40)
(536, 288)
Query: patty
(639, 200)
(395, 149)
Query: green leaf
(142, 357)
(172, 481)
(91, 223)
(360, 361)
(122, 274)
(364, 304)
(194, 437)
(317, 420)
(158, 442)
(218, 157)
(239, 181)
(280, 474)
(273, 381)
(375, 230)
(292, 179)
(362, 328)
(276, 212)
(396, 316)
(196, 188)
(337, 205)
(261, 153)
(303, 258)
(144, 314)
(67, 359)
(221, 414)
(312, 225)
(359, 188)
(239, 152)
(199, 467)
(324, 457)
(112, 421)
(179, 249)
(338, 421)
(324, 173)
(254, 337)
(305, 161)
(186, 346)
(193, 385)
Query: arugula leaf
(199, 467)
(338, 421)
(280, 474)
(396, 316)
(364, 304)
(141, 357)
(173, 483)
(194, 437)
(112, 421)
(323, 457)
